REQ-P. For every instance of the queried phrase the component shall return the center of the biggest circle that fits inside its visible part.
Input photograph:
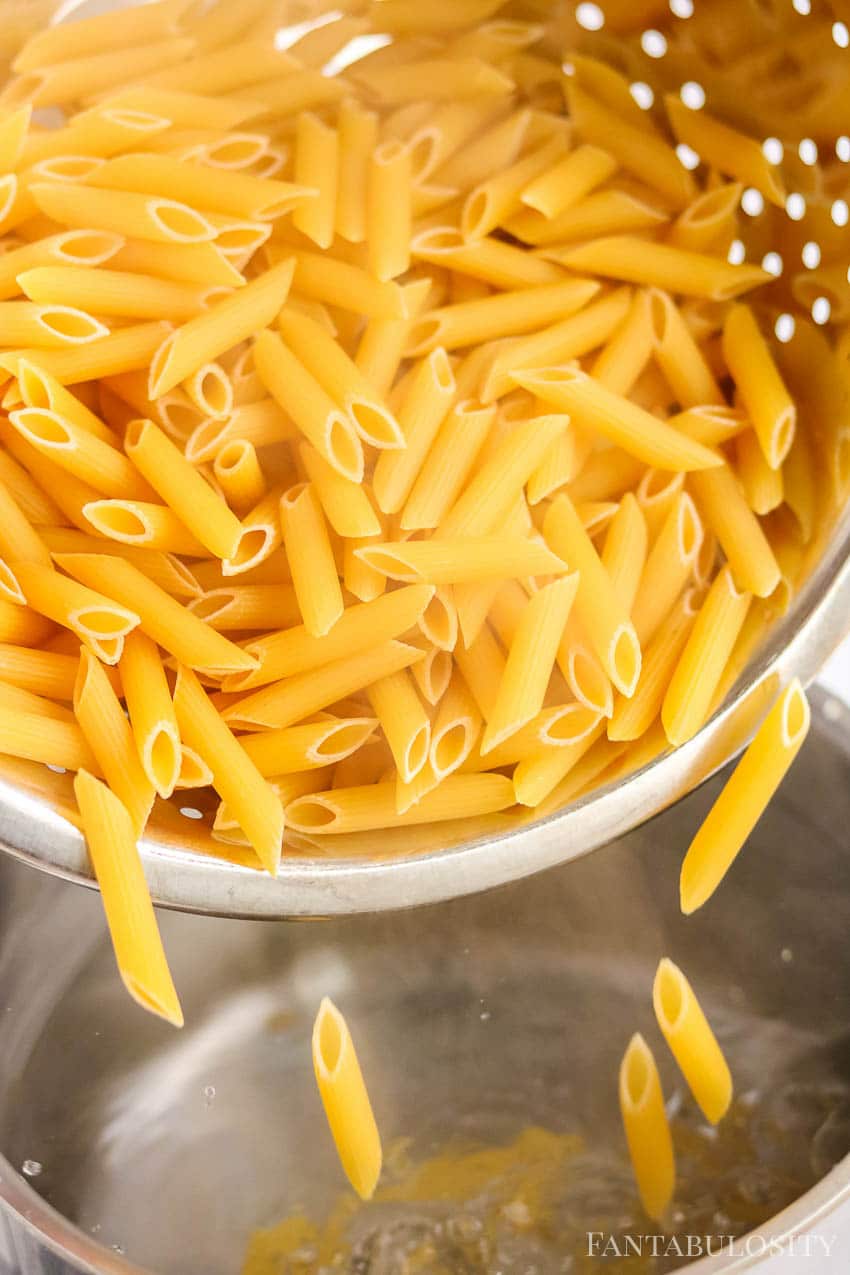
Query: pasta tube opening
(87, 247)
(670, 996)
(375, 424)
(255, 543)
(211, 390)
(625, 660)
(180, 223)
(161, 758)
(796, 716)
(589, 682)
(69, 326)
(571, 723)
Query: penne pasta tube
(617, 418)
(294, 749)
(98, 34)
(632, 717)
(597, 606)
(182, 110)
(291, 700)
(316, 168)
(225, 70)
(726, 512)
(111, 842)
(726, 149)
(13, 131)
(488, 259)
(619, 365)
(346, 1100)
(80, 452)
(624, 553)
(759, 383)
(241, 195)
(374, 806)
(711, 424)
(744, 797)
(46, 672)
(382, 345)
(389, 211)
(663, 266)
(164, 569)
(531, 658)
(457, 561)
(566, 339)
(295, 651)
(125, 350)
(635, 147)
(448, 465)
(404, 721)
(261, 423)
(310, 407)
(568, 181)
(97, 619)
(454, 731)
(763, 487)
(236, 779)
(204, 338)
(433, 79)
(81, 249)
(324, 278)
(326, 360)
(260, 536)
(194, 772)
(298, 91)
(358, 136)
(645, 1124)
(189, 497)
(537, 776)
(708, 224)
(311, 559)
(18, 624)
(14, 698)
(691, 1040)
(697, 674)
(62, 83)
(493, 202)
(493, 490)
(170, 625)
(19, 541)
(239, 476)
(200, 263)
(669, 566)
(511, 314)
(428, 397)
(149, 217)
(247, 606)
(112, 292)
(47, 326)
(407, 17)
(210, 390)
(110, 737)
(344, 503)
(151, 712)
(678, 355)
(40, 390)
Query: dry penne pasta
(647, 1131)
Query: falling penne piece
(346, 1100)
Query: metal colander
(778, 70)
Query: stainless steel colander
(779, 70)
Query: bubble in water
(485, 1016)
(209, 1095)
(787, 956)
(31, 1168)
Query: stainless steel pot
(474, 1020)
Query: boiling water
(492, 1025)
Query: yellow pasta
(153, 218)
(224, 325)
(297, 697)
(97, 34)
(358, 136)
(235, 777)
(760, 385)
(124, 350)
(726, 149)
(436, 79)
(112, 292)
(309, 747)
(679, 357)
(463, 560)
(311, 560)
(404, 721)
(151, 712)
(428, 397)
(247, 606)
(764, 488)
(316, 168)
(171, 625)
(346, 1100)
(624, 553)
(671, 561)
(83, 77)
(663, 266)
(531, 658)
(325, 359)
(314, 412)
(374, 806)
(47, 326)
(132, 924)
(110, 737)
(696, 676)
(51, 741)
(517, 312)
(183, 489)
(325, 278)
(569, 180)
(389, 210)
(744, 797)
(645, 1124)
(691, 1040)
(618, 419)
(487, 259)
(294, 650)
(632, 717)
(725, 511)
(494, 201)
(98, 620)
(239, 475)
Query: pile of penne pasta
(388, 438)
